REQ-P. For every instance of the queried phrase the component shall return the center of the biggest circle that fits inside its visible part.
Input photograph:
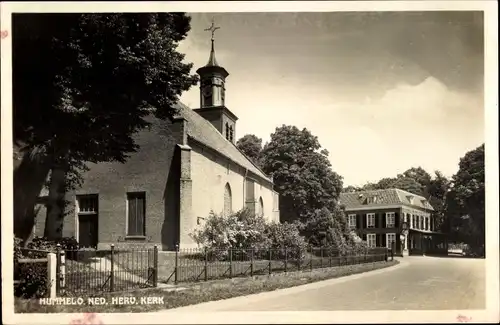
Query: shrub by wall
(32, 277)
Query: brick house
(185, 168)
(378, 216)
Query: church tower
(212, 94)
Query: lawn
(199, 292)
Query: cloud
(424, 125)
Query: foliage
(329, 229)
(32, 277)
(301, 172)
(92, 72)
(238, 230)
(465, 204)
(286, 235)
(245, 230)
(251, 146)
(43, 243)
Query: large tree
(466, 201)
(437, 191)
(301, 172)
(251, 146)
(83, 84)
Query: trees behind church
(82, 85)
(251, 146)
(465, 202)
(307, 185)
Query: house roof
(205, 133)
(393, 196)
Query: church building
(185, 168)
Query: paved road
(419, 283)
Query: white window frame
(390, 216)
(352, 221)
(371, 240)
(389, 237)
(370, 217)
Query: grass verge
(199, 292)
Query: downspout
(244, 188)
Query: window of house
(261, 207)
(352, 221)
(422, 223)
(390, 238)
(390, 219)
(371, 240)
(227, 131)
(417, 222)
(228, 200)
(136, 214)
(370, 220)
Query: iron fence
(97, 271)
(189, 265)
(94, 272)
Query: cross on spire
(212, 28)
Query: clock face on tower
(207, 91)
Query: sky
(382, 91)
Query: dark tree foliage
(82, 86)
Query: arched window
(231, 133)
(261, 207)
(228, 200)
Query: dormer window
(410, 198)
(371, 200)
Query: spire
(212, 62)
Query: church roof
(393, 196)
(205, 133)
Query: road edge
(226, 303)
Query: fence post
(330, 257)
(286, 259)
(206, 264)
(231, 262)
(155, 261)
(112, 274)
(393, 245)
(270, 259)
(176, 269)
(251, 261)
(386, 255)
(51, 275)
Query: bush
(329, 229)
(32, 277)
(42, 243)
(287, 235)
(244, 230)
(68, 244)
